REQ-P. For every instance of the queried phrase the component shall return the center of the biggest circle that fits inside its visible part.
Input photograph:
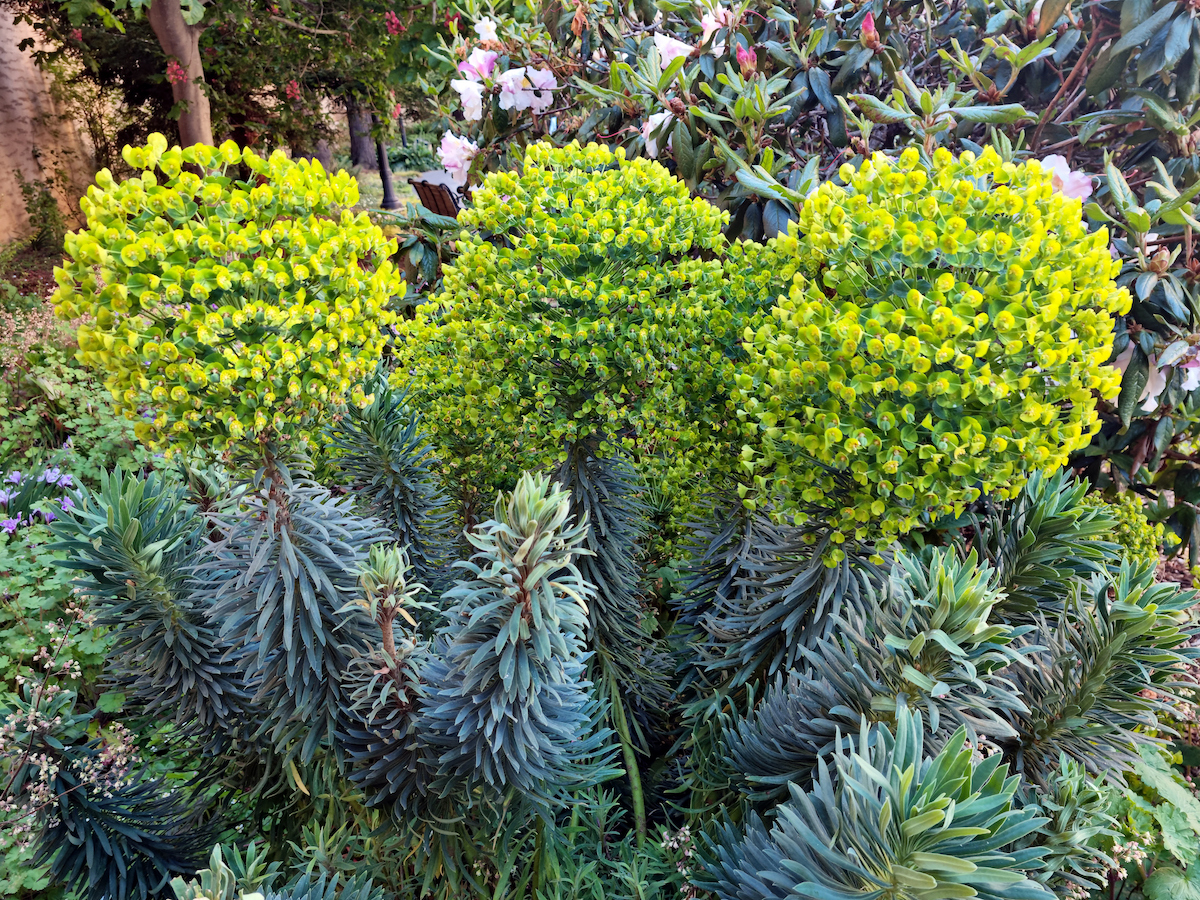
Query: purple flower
(5, 496)
(66, 481)
(50, 476)
(10, 525)
(48, 516)
(14, 477)
(67, 503)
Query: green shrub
(245, 309)
(583, 303)
(939, 334)
(45, 216)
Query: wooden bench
(438, 193)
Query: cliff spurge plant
(388, 461)
(578, 305)
(939, 334)
(240, 309)
(888, 822)
(512, 706)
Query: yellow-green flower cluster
(236, 309)
(1141, 539)
(579, 305)
(940, 333)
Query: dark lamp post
(385, 175)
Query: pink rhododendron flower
(486, 29)
(177, 74)
(544, 82)
(471, 95)
(293, 90)
(670, 49)
(397, 110)
(456, 154)
(77, 34)
(393, 23)
(713, 21)
(514, 89)
(1067, 182)
(479, 64)
(747, 60)
(650, 126)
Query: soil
(1175, 569)
(32, 271)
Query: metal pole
(385, 175)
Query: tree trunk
(362, 148)
(323, 154)
(181, 42)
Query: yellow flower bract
(235, 309)
(935, 336)
(585, 301)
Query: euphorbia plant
(584, 318)
(940, 332)
(236, 310)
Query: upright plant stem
(631, 767)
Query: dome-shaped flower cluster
(234, 309)
(579, 304)
(939, 333)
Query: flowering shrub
(940, 336)
(235, 309)
(578, 306)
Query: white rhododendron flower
(544, 82)
(456, 154)
(711, 22)
(670, 49)
(650, 126)
(514, 89)
(486, 29)
(1066, 181)
(471, 95)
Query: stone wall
(36, 137)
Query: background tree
(256, 72)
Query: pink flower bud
(870, 35)
(747, 60)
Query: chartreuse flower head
(939, 333)
(234, 309)
(579, 305)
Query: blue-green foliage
(386, 457)
(133, 542)
(887, 820)
(511, 705)
(279, 582)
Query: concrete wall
(36, 137)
